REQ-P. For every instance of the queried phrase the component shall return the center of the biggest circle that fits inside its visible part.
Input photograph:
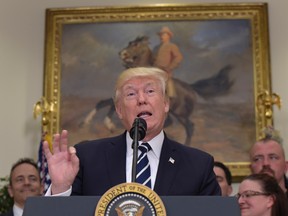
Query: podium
(175, 206)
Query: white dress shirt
(17, 211)
(153, 156)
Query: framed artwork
(225, 65)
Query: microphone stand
(135, 150)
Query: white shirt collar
(17, 211)
(156, 144)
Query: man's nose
(141, 98)
(266, 162)
(26, 181)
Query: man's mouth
(144, 114)
(27, 191)
(267, 171)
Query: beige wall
(21, 68)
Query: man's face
(143, 97)
(226, 189)
(165, 37)
(268, 157)
(25, 182)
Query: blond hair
(130, 73)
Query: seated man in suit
(93, 167)
(24, 181)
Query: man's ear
(10, 191)
(167, 104)
(118, 111)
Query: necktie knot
(144, 147)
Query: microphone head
(140, 126)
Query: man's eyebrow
(128, 86)
(273, 154)
(258, 155)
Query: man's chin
(30, 193)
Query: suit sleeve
(210, 185)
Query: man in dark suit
(93, 167)
(24, 182)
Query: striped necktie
(143, 172)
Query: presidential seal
(130, 199)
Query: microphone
(139, 128)
(137, 133)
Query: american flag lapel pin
(171, 160)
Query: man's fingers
(64, 140)
(60, 142)
(74, 159)
(72, 150)
(46, 149)
(56, 143)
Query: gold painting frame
(256, 14)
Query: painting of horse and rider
(210, 69)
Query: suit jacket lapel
(168, 165)
(116, 159)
